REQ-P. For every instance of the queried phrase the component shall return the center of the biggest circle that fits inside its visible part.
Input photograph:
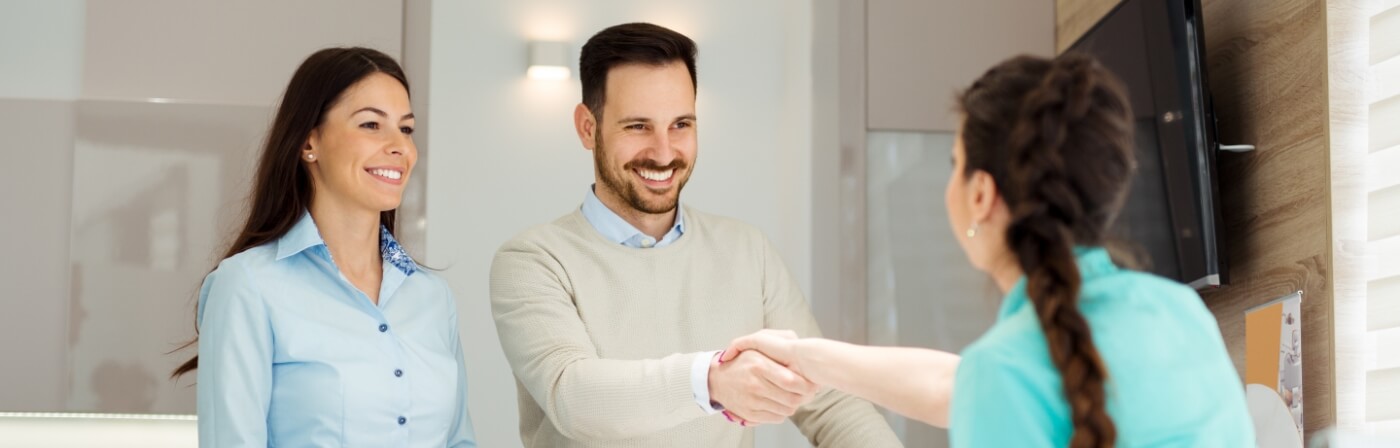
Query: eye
(684, 125)
(372, 125)
(636, 127)
(406, 130)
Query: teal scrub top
(1171, 382)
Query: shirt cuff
(700, 381)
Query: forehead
(378, 89)
(649, 86)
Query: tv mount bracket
(1172, 116)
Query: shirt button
(648, 242)
(398, 372)
(383, 328)
(403, 420)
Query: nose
(401, 145)
(661, 152)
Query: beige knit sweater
(601, 336)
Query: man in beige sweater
(613, 316)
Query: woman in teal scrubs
(1083, 353)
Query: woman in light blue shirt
(1083, 353)
(317, 329)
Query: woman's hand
(779, 345)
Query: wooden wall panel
(1267, 67)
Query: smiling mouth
(661, 176)
(392, 176)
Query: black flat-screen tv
(1172, 213)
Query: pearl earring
(310, 157)
(972, 231)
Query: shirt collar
(613, 227)
(394, 254)
(304, 235)
(1093, 262)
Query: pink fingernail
(721, 355)
(726, 415)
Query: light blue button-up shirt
(619, 231)
(292, 354)
(1170, 380)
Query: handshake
(759, 378)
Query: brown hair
(1056, 137)
(282, 187)
(629, 43)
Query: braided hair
(1056, 138)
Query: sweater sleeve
(548, 347)
(833, 418)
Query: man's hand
(756, 389)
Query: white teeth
(657, 176)
(387, 174)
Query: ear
(982, 196)
(313, 141)
(586, 125)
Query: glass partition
(922, 290)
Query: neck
(351, 236)
(1005, 271)
(653, 225)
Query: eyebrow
(648, 120)
(380, 112)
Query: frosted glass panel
(157, 190)
(923, 292)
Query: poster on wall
(1274, 351)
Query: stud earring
(310, 157)
(972, 231)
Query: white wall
(920, 52)
(503, 155)
(42, 45)
(222, 52)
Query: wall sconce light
(548, 60)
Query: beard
(630, 189)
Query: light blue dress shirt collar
(305, 235)
(617, 230)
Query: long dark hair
(1056, 137)
(282, 188)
